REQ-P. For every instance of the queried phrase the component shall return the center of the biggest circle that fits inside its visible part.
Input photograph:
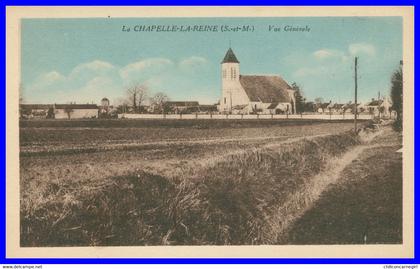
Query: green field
(154, 182)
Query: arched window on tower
(234, 73)
(224, 73)
(231, 73)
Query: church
(253, 94)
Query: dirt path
(358, 200)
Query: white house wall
(282, 106)
(76, 113)
(257, 105)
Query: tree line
(137, 100)
(302, 105)
(396, 94)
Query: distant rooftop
(182, 103)
(59, 106)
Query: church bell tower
(230, 80)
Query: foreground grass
(364, 206)
(233, 199)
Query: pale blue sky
(83, 60)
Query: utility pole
(355, 95)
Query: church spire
(230, 57)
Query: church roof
(230, 57)
(267, 89)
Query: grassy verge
(228, 200)
(364, 207)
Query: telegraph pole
(355, 95)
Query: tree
(396, 96)
(300, 102)
(137, 94)
(50, 113)
(319, 100)
(371, 110)
(68, 110)
(309, 107)
(159, 102)
(381, 110)
(21, 97)
(122, 105)
(22, 110)
(318, 103)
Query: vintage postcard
(210, 132)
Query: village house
(179, 107)
(324, 107)
(251, 94)
(336, 108)
(188, 107)
(349, 108)
(207, 108)
(58, 111)
(30, 111)
(379, 107)
(75, 111)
